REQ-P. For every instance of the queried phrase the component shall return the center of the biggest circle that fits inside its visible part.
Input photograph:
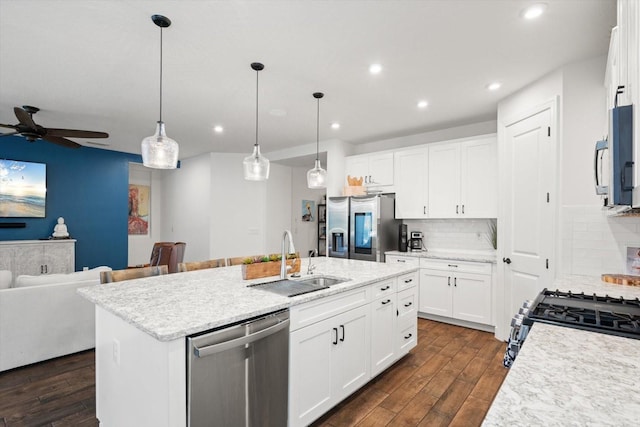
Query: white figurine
(60, 230)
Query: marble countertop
(456, 255)
(570, 377)
(173, 306)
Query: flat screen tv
(23, 189)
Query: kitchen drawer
(405, 260)
(407, 304)
(323, 308)
(407, 337)
(408, 280)
(384, 288)
(456, 266)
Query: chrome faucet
(292, 250)
(311, 267)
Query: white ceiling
(94, 65)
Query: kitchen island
(141, 327)
(569, 377)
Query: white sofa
(42, 317)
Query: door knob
(507, 260)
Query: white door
(411, 183)
(435, 292)
(528, 214)
(472, 298)
(444, 180)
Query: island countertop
(172, 306)
(570, 377)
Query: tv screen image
(23, 189)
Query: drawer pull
(401, 260)
(386, 302)
(385, 288)
(408, 304)
(452, 265)
(406, 337)
(408, 281)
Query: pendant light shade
(256, 166)
(317, 177)
(159, 151)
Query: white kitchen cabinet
(411, 179)
(36, 257)
(328, 361)
(456, 290)
(383, 329)
(463, 179)
(407, 325)
(376, 169)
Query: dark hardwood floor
(450, 378)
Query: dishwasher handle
(247, 339)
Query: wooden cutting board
(621, 279)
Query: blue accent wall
(89, 187)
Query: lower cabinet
(339, 343)
(457, 290)
(36, 257)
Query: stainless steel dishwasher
(239, 375)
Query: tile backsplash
(470, 234)
(594, 243)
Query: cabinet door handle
(456, 209)
(370, 180)
(455, 281)
(448, 281)
(408, 304)
(406, 337)
(386, 302)
(408, 281)
(335, 341)
(342, 327)
(424, 210)
(463, 209)
(385, 288)
(46, 268)
(41, 269)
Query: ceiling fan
(32, 131)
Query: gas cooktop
(605, 314)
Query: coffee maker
(416, 241)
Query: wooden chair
(132, 273)
(201, 265)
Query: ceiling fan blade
(8, 126)
(61, 141)
(9, 134)
(24, 117)
(74, 133)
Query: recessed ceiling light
(335, 125)
(534, 11)
(218, 129)
(422, 104)
(494, 86)
(375, 68)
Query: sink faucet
(283, 262)
(311, 267)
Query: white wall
(278, 208)
(140, 246)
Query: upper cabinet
(411, 178)
(463, 179)
(375, 169)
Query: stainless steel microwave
(613, 163)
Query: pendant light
(159, 151)
(317, 177)
(256, 166)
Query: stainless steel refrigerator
(373, 229)
(338, 226)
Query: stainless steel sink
(324, 281)
(292, 288)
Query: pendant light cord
(318, 132)
(160, 74)
(257, 72)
